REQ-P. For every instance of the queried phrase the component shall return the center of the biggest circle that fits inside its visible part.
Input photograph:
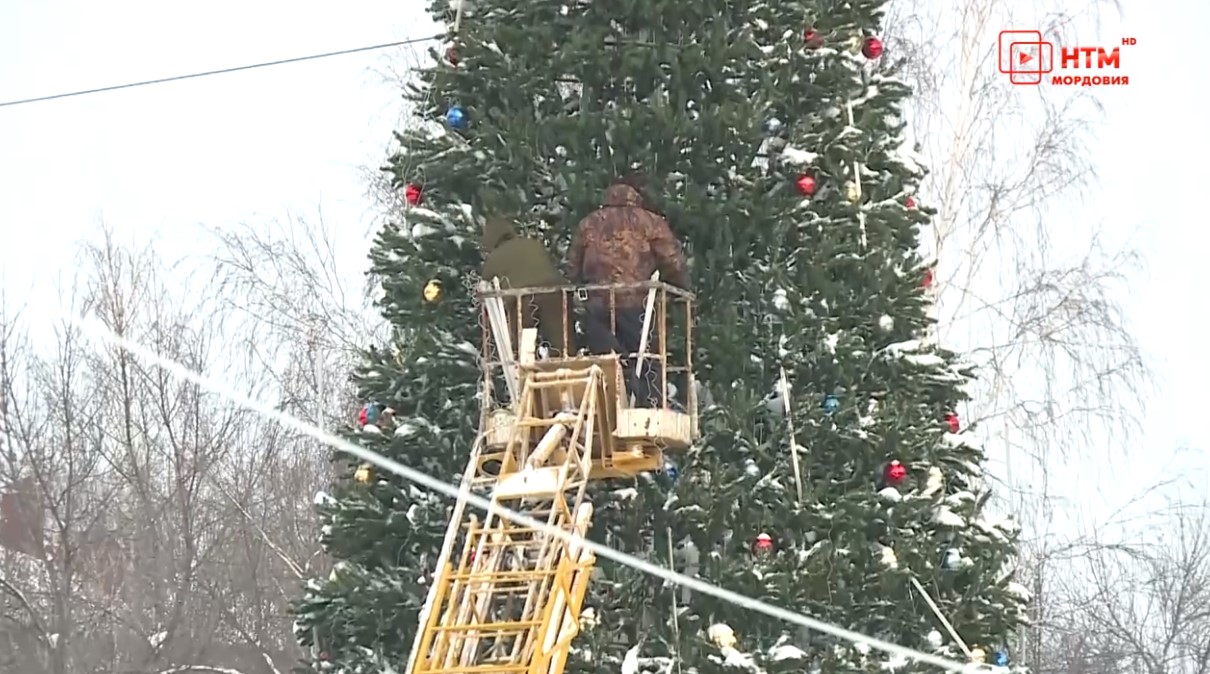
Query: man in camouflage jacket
(625, 242)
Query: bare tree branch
(287, 292)
(285, 558)
(171, 517)
(1139, 605)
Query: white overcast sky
(163, 162)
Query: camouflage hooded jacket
(622, 242)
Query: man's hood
(495, 232)
(623, 195)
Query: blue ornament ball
(671, 471)
(372, 412)
(456, 117)
(1000, 659)
(830, 404)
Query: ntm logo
(1026, 58)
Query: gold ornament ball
(363, 474)
(722, 635)
(852, 192)
(856, 43)
(432, 291)
(978, 655)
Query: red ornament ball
(812, 38)
(363, 416)
(763, 543)
(451, 55)
(323, 655)
(910, 203)
(927, 281)
(895, 473)
(952, 423)
(412, 194)
(806, 185)
(872, 48)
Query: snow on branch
(185, 669)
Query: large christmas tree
(771, 136)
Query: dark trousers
(647, 386)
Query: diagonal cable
(220, 71)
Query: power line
(221, 71)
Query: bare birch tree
(1023, 281)
(304, 313)
(304, 316)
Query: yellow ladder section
(510, 603)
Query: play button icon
(1029, 61)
